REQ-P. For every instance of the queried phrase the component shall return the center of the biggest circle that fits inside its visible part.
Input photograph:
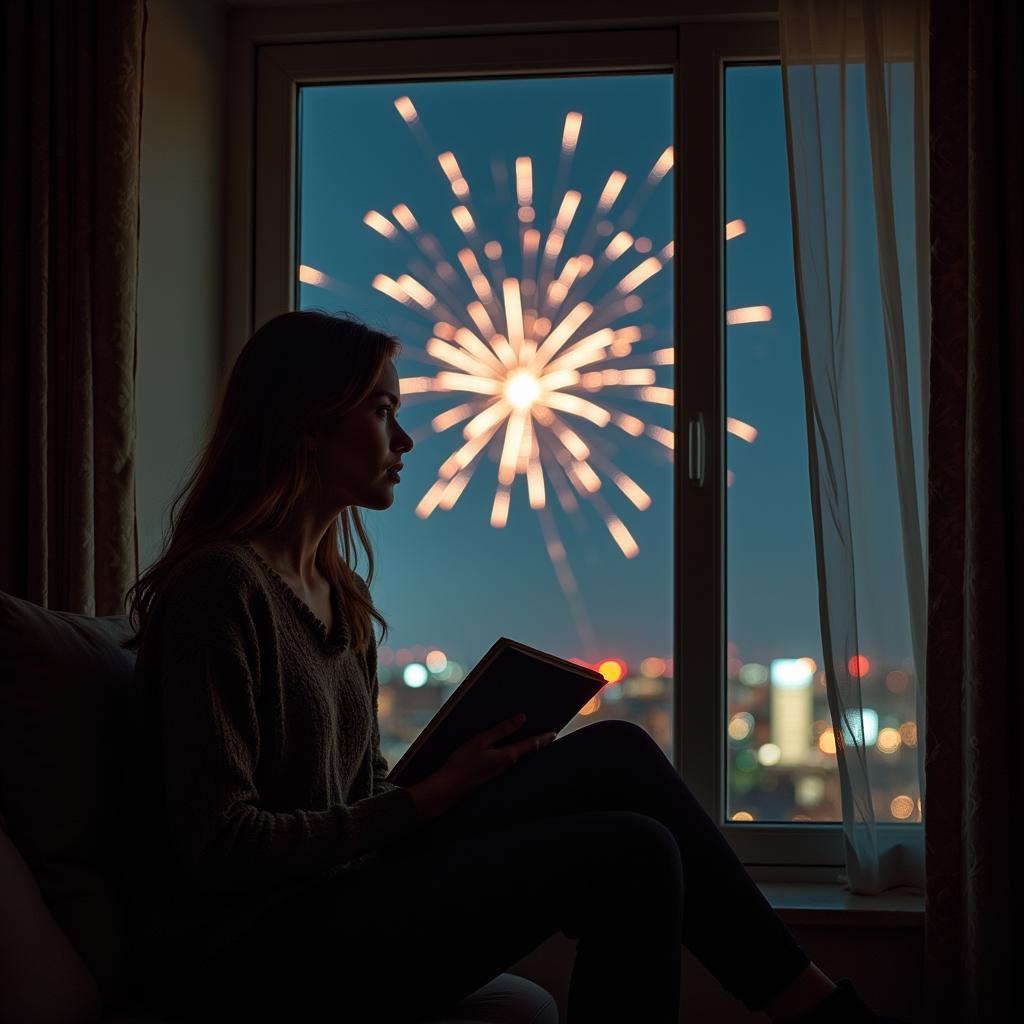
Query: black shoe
(844, 1006)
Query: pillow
(42, 979)
(64, 684)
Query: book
(511, 677)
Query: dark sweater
(257, 767)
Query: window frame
(272, 52)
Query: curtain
(855, 93)
(71, 115)
(975, 898)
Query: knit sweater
(256, 768)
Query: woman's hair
(299, 371)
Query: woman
(273, 869)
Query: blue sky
(452, 580)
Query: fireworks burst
(528, 343)
(525, 346)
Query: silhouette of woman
(273, 870)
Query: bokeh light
(436, 661)
(859, 666)
(901, 807)
(653, 668)
(741, 725)
(809, 790)
(613, 669)
(896, 681)
(415, 675)
(754, 674)
(889, 740)
(908, 734)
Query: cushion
(42, 979)
(507, 999)
(64, 683)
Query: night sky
(453, 581)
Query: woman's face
(355, 457)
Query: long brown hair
(297, 372)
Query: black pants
(595, 835)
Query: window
(781, 761)
(658, 585)
(517, 236)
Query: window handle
(697, 449)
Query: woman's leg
(616, 766)
(417, 931)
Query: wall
(180, 254)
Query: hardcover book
(510, 678)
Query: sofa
(64, 944)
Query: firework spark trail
(446, 161)
(556, 549)
(570, 140)
(567, 581)
(661, 167)
(605, 203)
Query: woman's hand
(473, 764)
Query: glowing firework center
(522, 390)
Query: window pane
(507, 230)
(781, 748)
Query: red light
(859, 666)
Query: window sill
(820, 903)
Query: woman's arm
(210, 633)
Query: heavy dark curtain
(974, 764)
(70, 116)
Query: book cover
(511, 677)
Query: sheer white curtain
(855, 90)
